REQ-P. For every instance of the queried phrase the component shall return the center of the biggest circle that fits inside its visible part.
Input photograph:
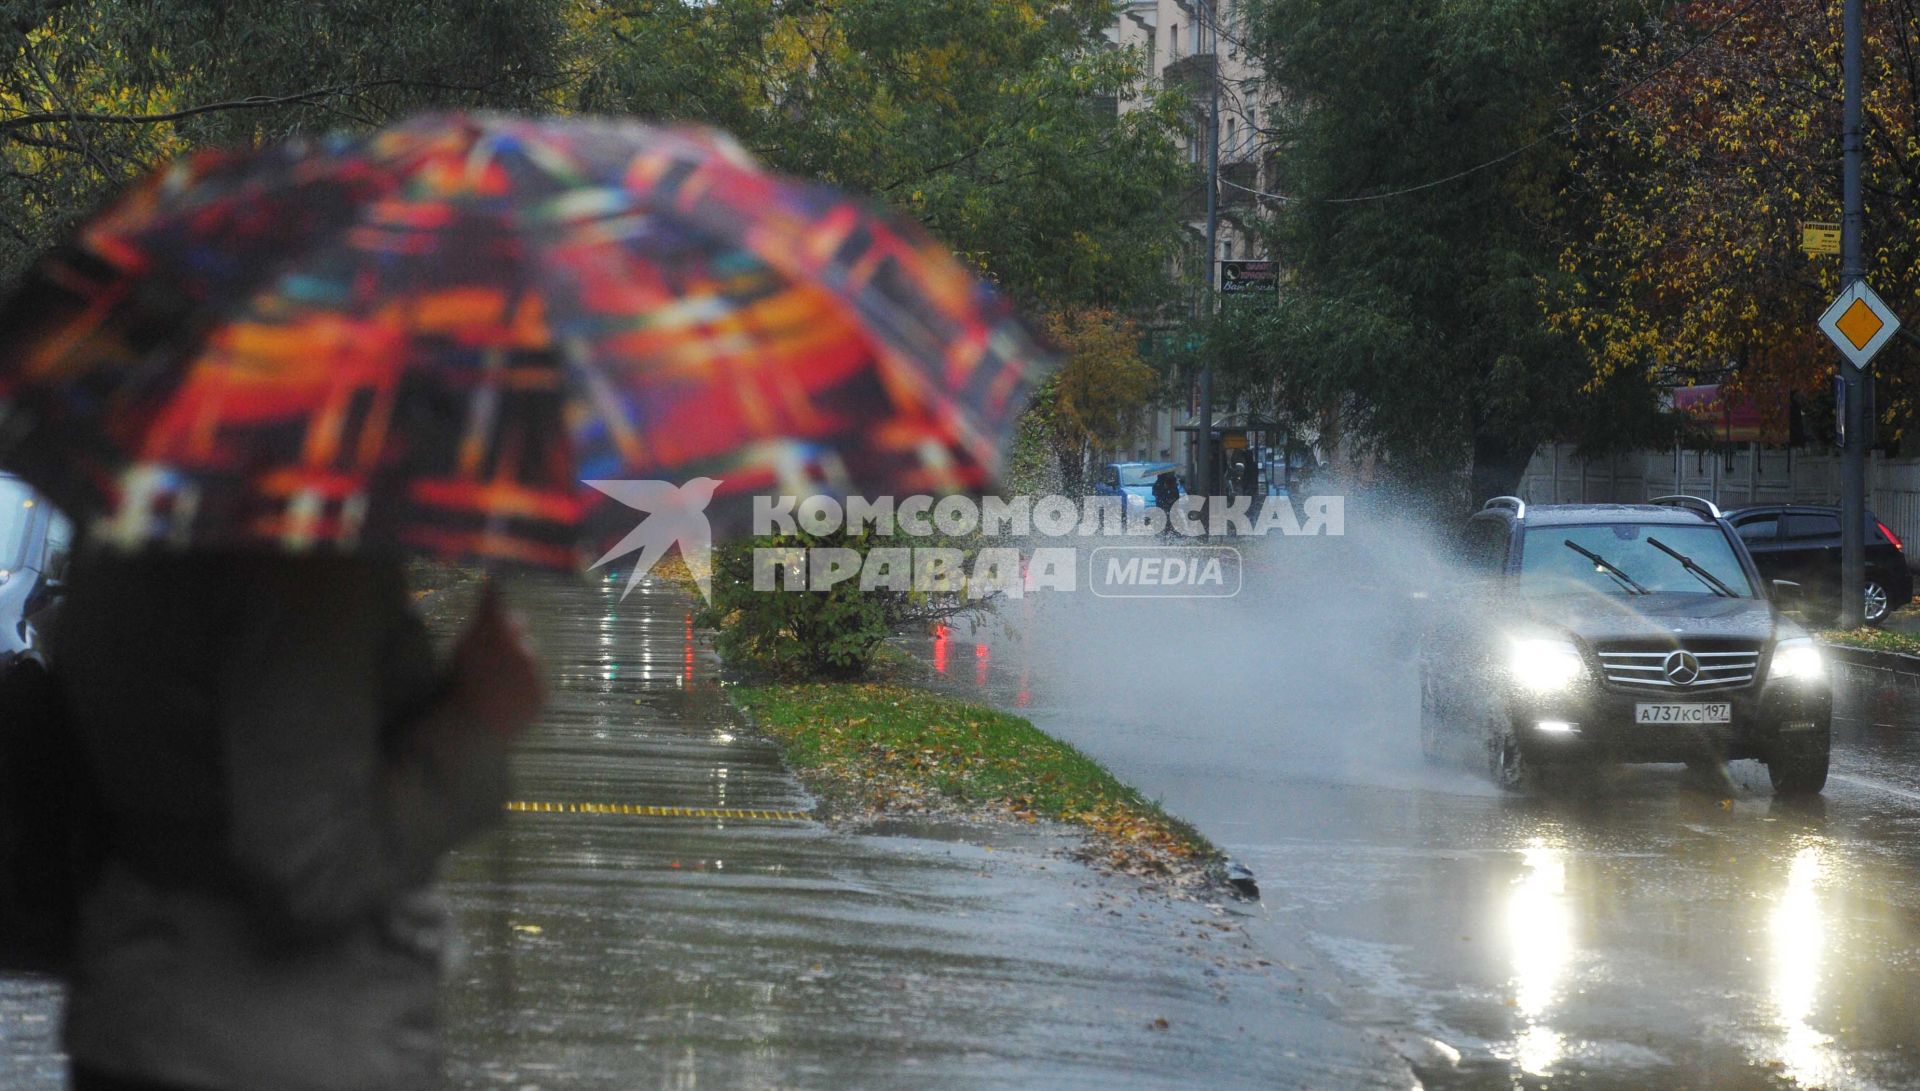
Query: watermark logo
(1173, 552)
(1161, 572)
(676, 515)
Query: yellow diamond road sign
(1860, 323)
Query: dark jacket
(1166, 491)
(281, 775)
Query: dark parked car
(1619, 632)
(35, 542)
(1801, 543)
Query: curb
(1897, 662)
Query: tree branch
(252, 102)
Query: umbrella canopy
(429, 338)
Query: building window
(1173, 41)
(1232, 141)
(1226, 250)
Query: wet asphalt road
(1654, 928)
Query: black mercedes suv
(1619, 632)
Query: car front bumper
(1597, 722)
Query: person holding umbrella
(263, 378)
(283, 768)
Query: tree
(1094, 401)
(992, 122)
(1722, 140)
(95, 92)
(1419, 148)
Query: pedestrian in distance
(1166, 491)
(281, 768)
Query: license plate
(1719, 712)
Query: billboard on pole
(1249, 280)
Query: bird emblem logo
(676, 515)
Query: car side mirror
(1788, 595)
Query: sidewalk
(630, 951)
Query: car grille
(1643, 667)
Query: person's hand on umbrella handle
(496, 679)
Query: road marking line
(649, 811)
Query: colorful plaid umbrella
(430, 337)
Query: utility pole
(1853, 379)
(1204, 464)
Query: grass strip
(890, 749)
(1879, 640)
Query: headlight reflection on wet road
(609, 652)
(1796, 943)
(1540, 938)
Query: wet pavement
(1653, 928)
(623, 951)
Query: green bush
(821, 635)
(792, 634)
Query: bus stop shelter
(1252, 448)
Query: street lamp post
(1853, 379)
(1203, 465)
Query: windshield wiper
(1632, 585)
(1713, 582)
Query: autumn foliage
(1094, 402)
(1718, 142)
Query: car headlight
(1543, 665)
(1798, 659)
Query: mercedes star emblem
(1682, 669)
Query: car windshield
(1631, 559)
(16, 512)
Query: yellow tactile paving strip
(648, 811)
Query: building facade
(1184, 49)
(1195, 46)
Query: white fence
(1753, 475)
